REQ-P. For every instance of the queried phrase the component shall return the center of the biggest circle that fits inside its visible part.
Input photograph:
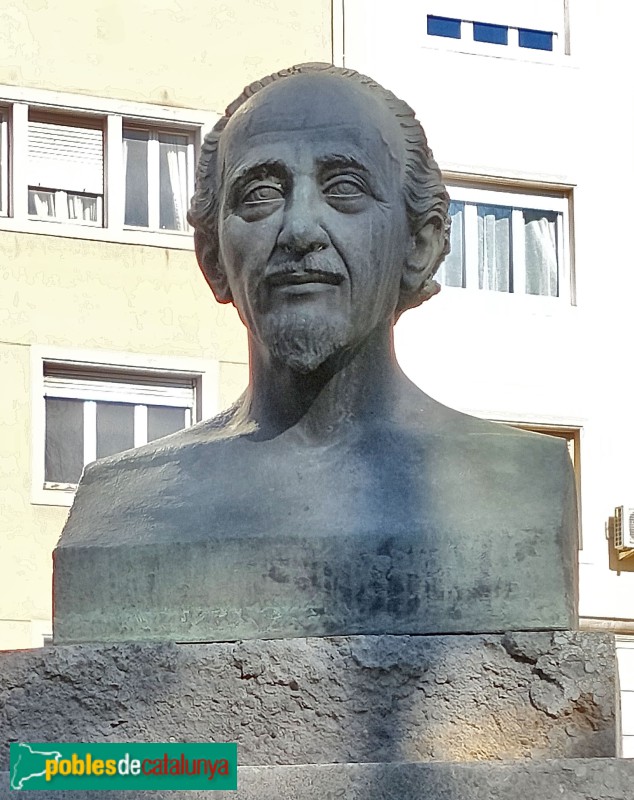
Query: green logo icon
(66, 766)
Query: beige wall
(76, 293)
(193, 53)
(28, 532)
(80, 293)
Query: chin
(304, 344)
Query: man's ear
(425, 256)
(208, 260)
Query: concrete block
(350, 699)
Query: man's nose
(302, 231)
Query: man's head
(318, 171)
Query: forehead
(321, 113)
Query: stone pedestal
(362, 716)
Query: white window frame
(153, 171)
(204, 372)
(98, 389)
(4, 162)
(61, 194)
(16, 102)
(516, 200)
(61, 197)
(505, 14)
(624, 647)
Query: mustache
(317, 267)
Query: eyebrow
(338, 160)
(269, 167)
(280, 169)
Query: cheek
(243, 243)
(387, 251)
(232, 242)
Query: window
(4, 163)
(443, 26)
(88, 404)
(496, 27)
(535, 40)
(494, 34)
(625, 662)
(65, 170)
(489, 33)
(91, 414)
(98, 169)
(159, 169)
(507, 242)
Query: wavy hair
(426, 198)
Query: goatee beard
(303, 344)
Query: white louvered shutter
(68, 157)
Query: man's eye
(263, 194)
(344, 188)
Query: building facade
(524, 105)
(109, 335)
(108, 332)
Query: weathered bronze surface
(334, 497)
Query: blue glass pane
(536, 40)
(494, 34)
(443, 26)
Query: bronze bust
(334, 497)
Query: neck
(357, 384)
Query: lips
(302, 277)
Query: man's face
(312, 227)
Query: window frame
(87, 122)
(499, 15)
(153, 165)
(516, 198)
(624, 644)
(105, 366)
(17, 103)
(61, 195)
(4, 162)
(90, 391)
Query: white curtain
(177, 166)
(43, 204)
(494, 248)
(451, 273)
(84, 208)
(540, 233)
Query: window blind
(68, 157)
